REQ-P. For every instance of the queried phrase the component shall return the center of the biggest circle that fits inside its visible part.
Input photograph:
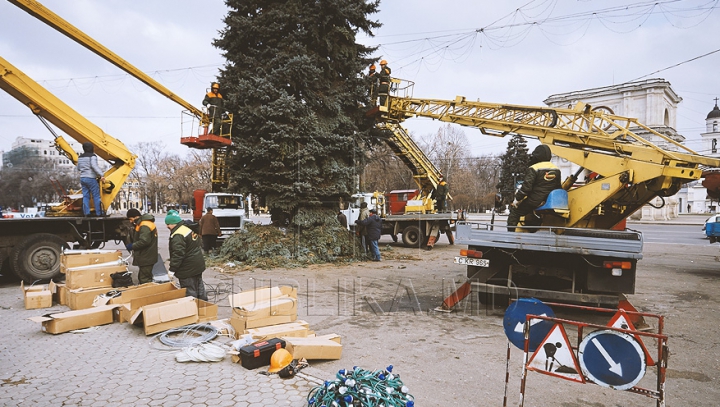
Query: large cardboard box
(294, 329)
(207, 311)
(36, 296)
(131, 293)
(85, 298)
(125, 312)
(263, 307)
(166, 315)
(91, 277)
(60, 293)
(319, 347)
(72, 320)
(78, 258)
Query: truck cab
(228, 208)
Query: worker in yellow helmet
(384, 76)
(215, 103)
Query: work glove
(515, 203)
(128, 246)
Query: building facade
(31, 151)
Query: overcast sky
(517, 52)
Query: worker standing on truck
(373, 225)
(89, 170)
(540, 179)
(215, 104)
(440, 194)
(209, 230)
(186, 258)
(143, 244)
(384, 78)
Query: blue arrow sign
(612, 359)
(514, 322)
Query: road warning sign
(555, 356)
(612, 359)
(622, 320)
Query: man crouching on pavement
(186, 257)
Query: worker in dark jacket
(209, 230)
(216, 106)
(372, 78)
(384, 79)
(90, 173)
(540, 178)
(440, 194)
(186, 257)
(373, 226)
(143, 244)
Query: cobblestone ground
(117, 365)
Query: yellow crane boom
(218, 142)
(632, 170)
(48, 106)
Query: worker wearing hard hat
(215, 103)
(384, 76)
(372, 77)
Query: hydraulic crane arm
(45, 15)
(632, 170)
(47, 106)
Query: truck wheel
(38, 257)
(412, 237)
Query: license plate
(472, 262)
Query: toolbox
(258, 354)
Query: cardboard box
(130, 293)
(207, 311)
(78, 258)
(223, 326)
(318, 347)
(263, 307)
(84, 298)
(242, 324)
(125, 312)
(60, 293)
(72, 320)
(91, 277)
(295, 329)
(166, 315)
(36, 296)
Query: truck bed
(422, 216)
(622, 244)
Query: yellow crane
(48, 107)
(632, 170)
(202, 139)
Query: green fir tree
(514, 164)
(293, 79)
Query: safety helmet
(383, 62)
(215, 85)
(279, 359)
(372, 67)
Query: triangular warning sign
(622, 320)
(555, 357)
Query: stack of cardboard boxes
(88, 292)
(271, 312)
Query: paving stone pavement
(117, 365)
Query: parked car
(712, 219)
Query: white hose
(205, 352)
